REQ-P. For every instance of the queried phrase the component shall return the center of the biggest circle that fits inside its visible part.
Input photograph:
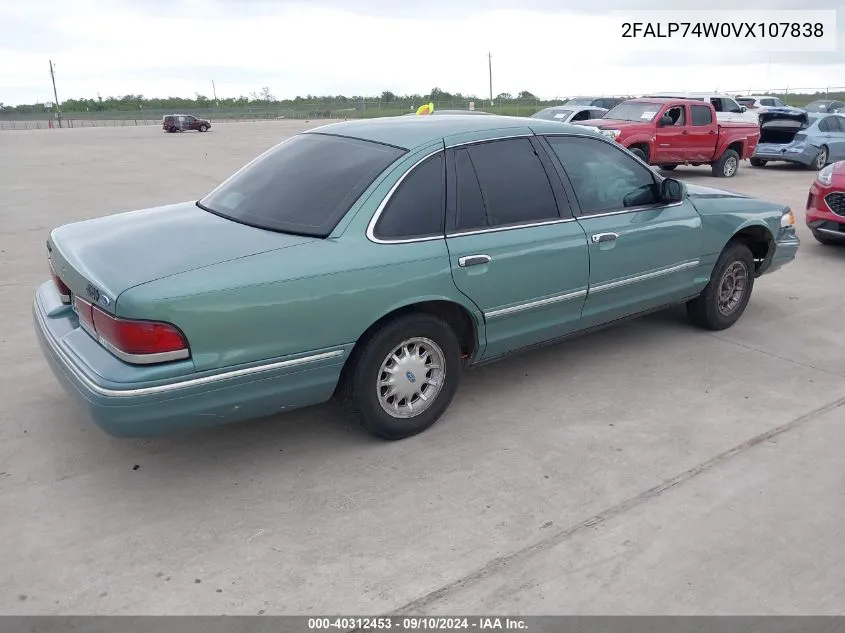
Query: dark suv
(183, 122)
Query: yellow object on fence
(428, 108)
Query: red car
(826, 205)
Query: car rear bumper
(164, 406)
(782, 152)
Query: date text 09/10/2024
(417, 623)
(724, 29)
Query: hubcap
(732, 287)
(730, 166)
(411, 377)
(821, 160)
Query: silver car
(569, 113)
(805, 138)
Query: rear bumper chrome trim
(63, 357)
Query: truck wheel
(404, 377)
(727, 165)
(725, 297)
(758, 162)
(639, 154)
(667, 167)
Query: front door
(515, 249)
(643, 253)
(671, 140)
(832, 130)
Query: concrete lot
(649, 468)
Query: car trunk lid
(781, 127)
(98, 259)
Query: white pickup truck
(727, 109)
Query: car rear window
(304, 185)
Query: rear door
(644, 253)
(833, 133)
(515, 249)
(701, 134)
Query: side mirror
(742, 109)
(665, 121)
(672, 190)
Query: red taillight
(64, 291)
(141, 342)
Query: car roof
(412, 132)
(662, 100)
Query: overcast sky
(549, 47)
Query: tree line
(261, 98)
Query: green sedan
(374, 261)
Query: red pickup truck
(672, 132)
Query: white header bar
(740, 31)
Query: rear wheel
(726, 295)
(758, 162)
(821, 159)
(404, 377)
(668, 167)
(727, 165)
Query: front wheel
(726, 295)
(727, 165)
(404, 377)
(203, 128)
(668, 167)
(636, 151)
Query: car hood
(117, 252)
(612, 124)
(699, 192)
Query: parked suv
(598, 102)
(183, 122)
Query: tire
(361, 392)
(727, 165)
(821, 238)
(203, 128)
(668, 167)
(710, 310)
(758, 162)
(639, 154)
(820, 160)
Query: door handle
(685, 132)
(712, 132)
(604, 237)
(473, 260)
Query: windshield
(643, 112)
(746, 102)
(304, 185)
(553, 115)
(818, 106)
(581, 101)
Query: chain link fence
(337, 109)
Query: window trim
(580, 215)
(386, 200)
(564, 214)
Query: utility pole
(214, 90)
(55, 94)
(490, 74)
